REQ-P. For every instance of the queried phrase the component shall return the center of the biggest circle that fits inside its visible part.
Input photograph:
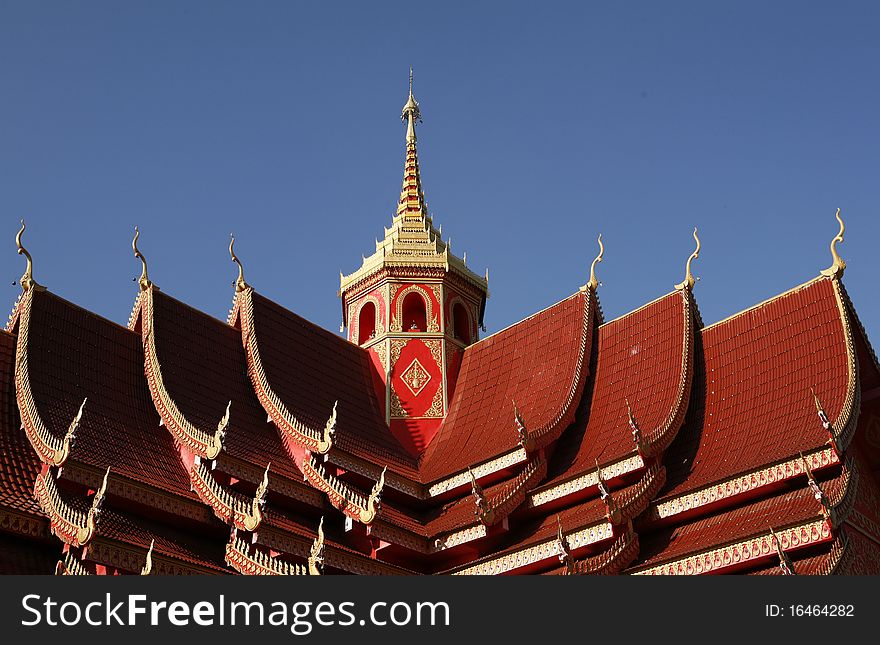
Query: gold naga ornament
(689, 280)
(240, 284)
(27, 278)
(144, 281)
(837, 263)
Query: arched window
(461, 324)
(367, 323)
(414, 316)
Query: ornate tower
(415, 306)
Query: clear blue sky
(544, 124)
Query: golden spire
(688, 282)
(594, 283)
(412, 198)
(411, 112)
(837, 264)
(27, 279)
(143, 281)
(240, 284)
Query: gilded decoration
(378, 323)
(415, 377)
(430, 311)
(756, 548)
(381, 350)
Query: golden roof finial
(594, 283)
(411, 112)
(27, 279)
(837, 264)
(689, 280)
(144, 280)
(240, 284)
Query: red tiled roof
(73, 354)
(751, 404)
(541, 363)
(309, 368)
(203, 368)
(19, 463)
(645, 357)
(172, 543)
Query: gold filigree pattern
(582, 482)
(381, 350)
(542, 551)
(742, 484)
(415, 377)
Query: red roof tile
(751, 404)
(204, 367)
(541, 363)
(183, 546)
(310, 368)
(645, 357)
(73, 354)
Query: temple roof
(204, 368)
(752, 403)
(540, 364)
(72, 354)
(644, 367)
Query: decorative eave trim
(29, 525)
(741, 484)
(200, 442)
(71, 566)
(544, 550)
(514, 494)
(51, 449)
(614, 559)
(838, 559)
(584, 481)
(847, 421)
(363, 508)
(311, 439)
(515, 456)
(755, 548)
(71, 525)
(842, 494)
(247, 560)
(659, 439)
(244, 514)
(635, 500)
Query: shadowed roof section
(310, 368)
(752, 404)
(645, 357)
(540, 363)
(204, 367)
(73, 354)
